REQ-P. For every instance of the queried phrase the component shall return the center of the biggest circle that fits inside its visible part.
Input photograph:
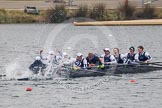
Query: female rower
(119, 57)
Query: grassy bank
(18, 16)
(97, 12)
(21, 0)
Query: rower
(49, 58)
(93, 60)
(36, 65)
(119, 57)
(142, 55)
(80, 62)
(108, 58)
(66, 59)
(130, 57)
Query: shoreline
(84, 15)
(121, 23)
(150, 22)
(15, 17)
(45, 4)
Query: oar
(114, 65)
(156, 64)
(92, 67)
(69, 67)
(151, 63)
(88, 70)
(95, 71)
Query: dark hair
(141, 47)
(90, 54)
(132, 48)
(117, 49)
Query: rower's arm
(113, 60)
(99, 62)
(85, 63)
(148, 56)
(125, 58)
(42, 56)
(136, 57)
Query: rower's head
(131, 49)
(140, 49)
(51, 52)
(90, 56)
(38, 58)
(65, 55)
(107, 51)
(116, 51)
(79, 56)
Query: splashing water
(15, 71)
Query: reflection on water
(20, 44)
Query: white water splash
(15, 71)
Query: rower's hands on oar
(150, 63)
(75, 68)
(91, 65)
(146, 62)
(101, 66)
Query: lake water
(20, 43)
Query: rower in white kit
(120, 58)
(142, 56)
(80, 62)
(130, 56)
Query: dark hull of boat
(86, 73)
(23, 79)
(120, 69)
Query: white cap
(106, 49)
(79, 54)
(51, 52)
(37, 58)
(64, 54)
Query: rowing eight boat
(108, 70)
